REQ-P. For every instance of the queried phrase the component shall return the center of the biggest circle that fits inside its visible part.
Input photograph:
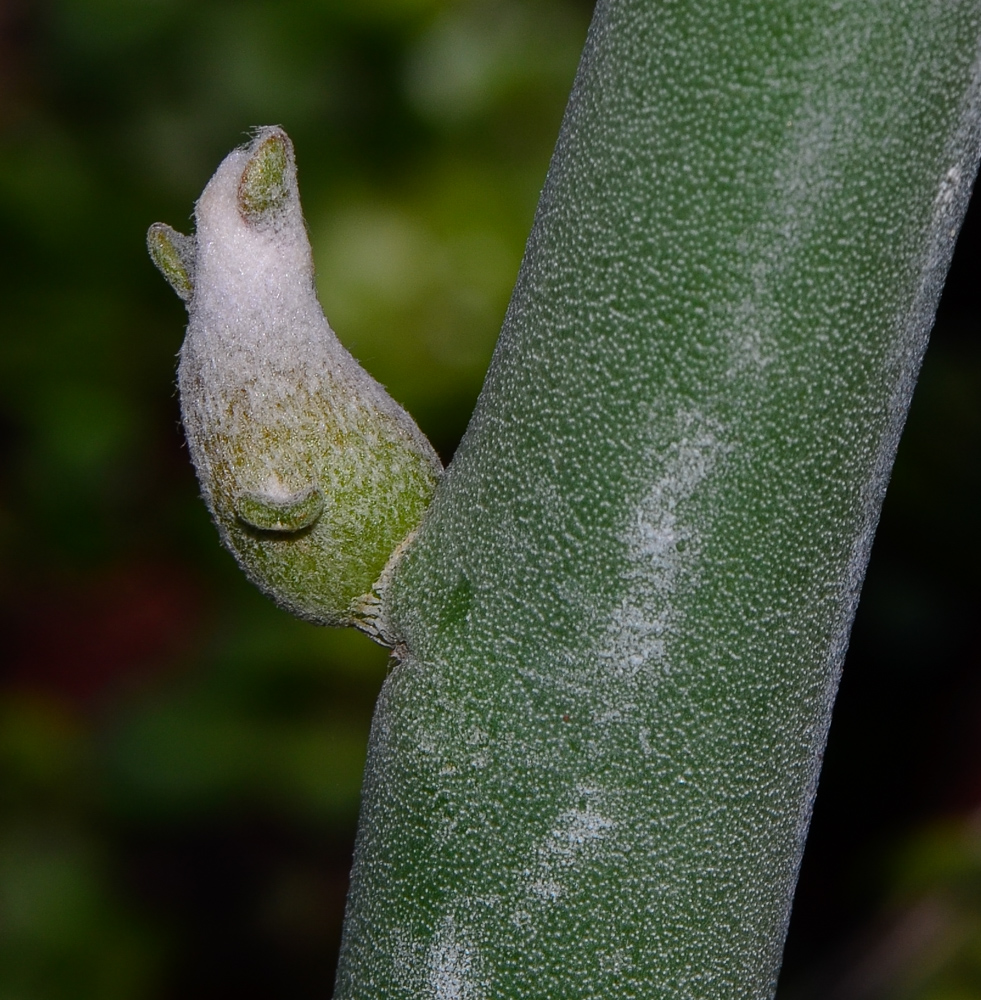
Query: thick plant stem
(622, 621)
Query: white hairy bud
(314, 475)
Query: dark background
(180, 761)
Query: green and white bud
(314, 475)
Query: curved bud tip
(286, 514)
(173, 253)
(267, 180)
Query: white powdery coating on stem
(578, 830)
(451, 966)
(662, 548)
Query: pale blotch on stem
(314, 475)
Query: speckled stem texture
(623, 619)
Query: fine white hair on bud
(314, 475)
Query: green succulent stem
(621, 623)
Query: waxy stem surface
(623, 618)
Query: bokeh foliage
(180, 761)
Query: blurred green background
(179, 760)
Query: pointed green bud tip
(315, 476)
(173, 253)
(268, 178)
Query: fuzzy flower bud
(314, 475)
